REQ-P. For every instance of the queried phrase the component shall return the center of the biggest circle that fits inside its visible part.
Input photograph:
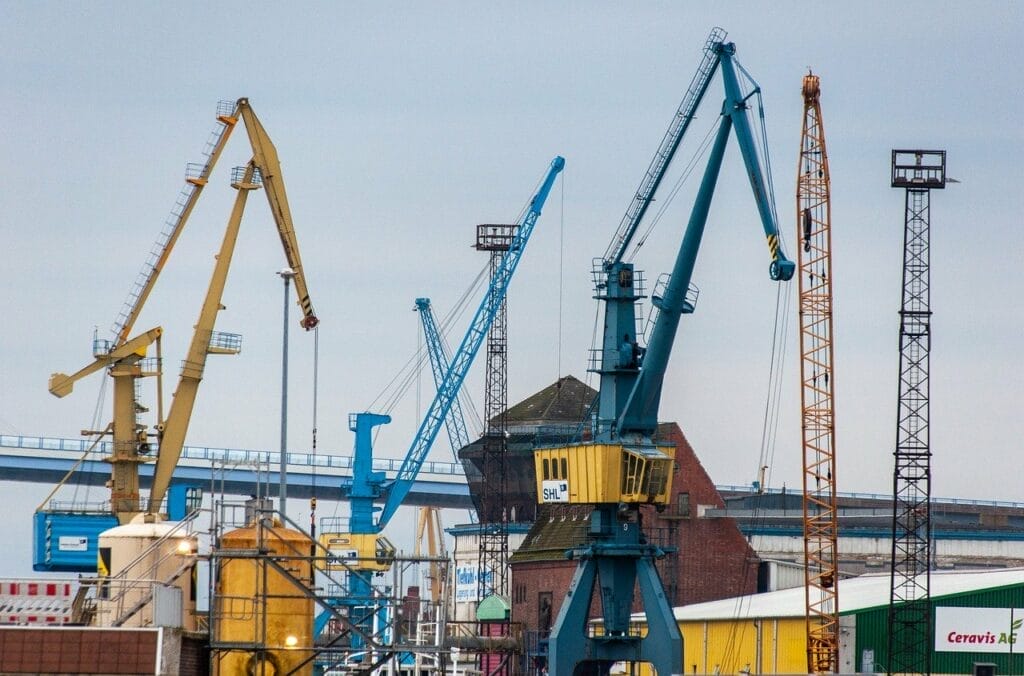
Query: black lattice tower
(817, 384)
(493, 535)
(918, 172)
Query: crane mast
(817, 384)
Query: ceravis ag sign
(978, 630)
(554, 490)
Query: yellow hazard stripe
(773, 245)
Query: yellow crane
(430, 536)
(266, 169)
(125, 359)
(813, 208)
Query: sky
(400, 126)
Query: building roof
(558, 528)
(566, 401)
(855, 594)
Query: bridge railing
(301, 459)
(877, 496)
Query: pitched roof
(567, 400)
(557, 529)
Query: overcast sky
(400, 126)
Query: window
(544, 613)
(683, 504)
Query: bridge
(235, 471)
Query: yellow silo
(258, 606)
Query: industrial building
(977, 617)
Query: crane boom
(639, 414)
(817, 383)
(265, 158)
(666, 151)
(187, 200)
(264, 170)
(204, 342)
(449, 388)
(440, 362)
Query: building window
(683, 505)
(544, 613)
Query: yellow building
(766, 633)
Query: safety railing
(233, 455)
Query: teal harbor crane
(622, 467)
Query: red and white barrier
(38, 602)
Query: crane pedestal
(619, 556)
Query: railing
(324, 460)
(730, 488)
(344, 462)
(118, 598)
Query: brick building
(710, 558)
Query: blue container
(68, 541)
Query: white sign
(73, 543)
(978, 630)
(467, 583)
(555, 490)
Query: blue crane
(364, 547)
(440, 362)
(623, 467)
(448, 390)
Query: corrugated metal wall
(765, 646)
(872, 634)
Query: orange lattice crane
(817, 384)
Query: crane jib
(666, 150)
